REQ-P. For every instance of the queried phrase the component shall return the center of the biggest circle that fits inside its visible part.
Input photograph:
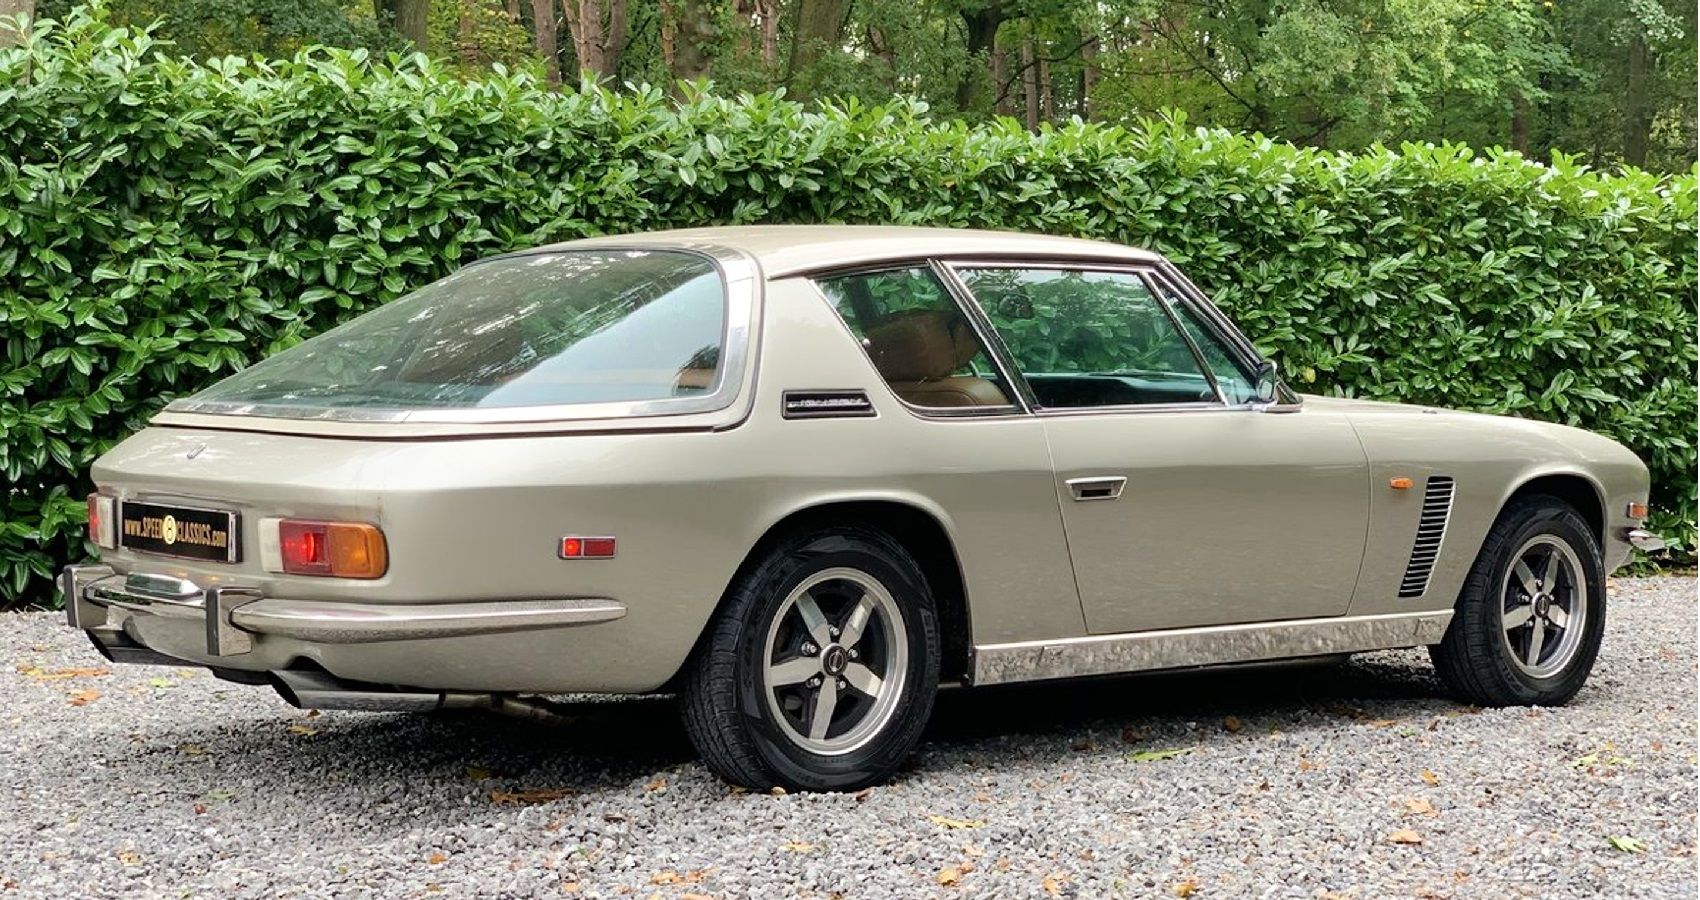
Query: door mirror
(1268, 382)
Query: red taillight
(338, 549)
(102, 523)
(587, 548)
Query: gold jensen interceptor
(801, 476)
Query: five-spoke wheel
(836, 657)
(820, 670)
(1546, 606)
(1532, 611)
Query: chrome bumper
(234, 615)
(1644, 540)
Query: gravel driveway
(1355, 781)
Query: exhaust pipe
(310, 689)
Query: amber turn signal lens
(1401, 483)
(1637, 511)
(336, 549)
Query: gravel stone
(1295, 782)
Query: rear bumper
(122, 611)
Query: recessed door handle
(1097, 487)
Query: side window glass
(917, 337)
(1235, 381)
(1085, 339)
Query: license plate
(184, 531)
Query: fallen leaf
(303, 730)
(667, 877)
(1083, 746)
(1155, 755)
(1404, 836)
(1053, 884)
(1231, 724)
(863, 795)
(1419, 806)
(57, 674)
(777, 791)
(220, 795)
(1627, 844)
(569, 887)
(948, 822)
(1384, 723)
(192, 750)
(973, 850)
(659, 783)
(436, 859)
(129, 857)
(1185, 888)
(1132, 735)
(479, 773)
(528, 797)
(84, 698)
(950, 877)
(161, 683)
(1431, 779)
(799, 846)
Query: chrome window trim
(1140, 271)
(969, 313)
(1226, 328)
(741, 283)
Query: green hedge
(164, 223)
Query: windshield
(542, 329)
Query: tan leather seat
(918, 352)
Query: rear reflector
(587, 548)
(335, 549)
(103, 525)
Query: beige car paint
(1272, 505)
(1229, 515)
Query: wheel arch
(916, 524)
(1582, 492)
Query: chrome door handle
(1097, 487)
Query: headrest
(921, 343)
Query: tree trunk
(1637, 118)
(768, 13)
(693, 39)
(1029, 86)
(819, 26)
(512, 7)
(598, 29)
(546, 29)
(1520, 123)
(983, 27)
(410, 18)
(1088, 74)
(1047, 92)
(9, 35)
(466, 34)
(1000, 77)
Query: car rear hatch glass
(573, 333)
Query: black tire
(1476, 659)
(728, 711)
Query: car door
(1183, 503)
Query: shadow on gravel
(605, 744)
(1293, 696)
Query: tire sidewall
(887, 749)
(1556, 521)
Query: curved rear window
(542, 329)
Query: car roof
(784, 250)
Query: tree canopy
(1608, 82)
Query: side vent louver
(1431, 530)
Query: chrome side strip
(1186, 647)
(363, 623)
